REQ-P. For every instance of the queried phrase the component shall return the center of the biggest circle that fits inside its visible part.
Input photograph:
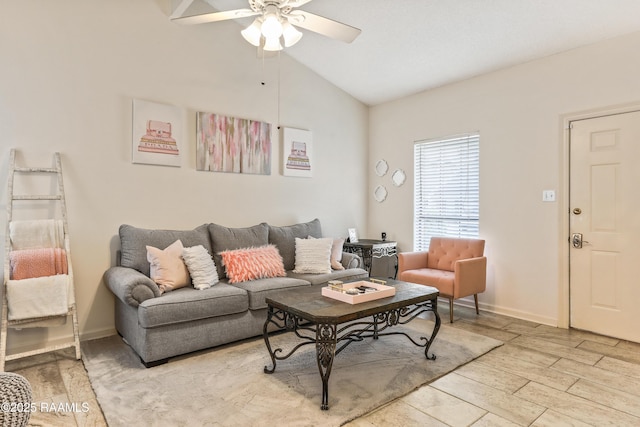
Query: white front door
(604, 212)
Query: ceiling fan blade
(326, 27)
(215, 16)
(297, 3)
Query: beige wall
(519, 114)
(70, 69)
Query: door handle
(576, 240)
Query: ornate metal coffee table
(326, 322)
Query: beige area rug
(226, 386)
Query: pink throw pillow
(167, 268)
(253, 263)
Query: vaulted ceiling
(408, 46)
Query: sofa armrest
(470, 276)
(130, 286)
(412, 261)
(351, 260)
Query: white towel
(38, 297)
(48, 323)
(34, 234)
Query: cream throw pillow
(313, 255)
(336, 254)
(167, 268)
(201, 267)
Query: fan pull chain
(262, 82)
(278, 90)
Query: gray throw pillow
(285, 239)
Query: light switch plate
(548, 196)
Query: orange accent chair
(456, 267)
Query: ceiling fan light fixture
(252, 33)
(271, 25)
(272, 44)
(290, 34)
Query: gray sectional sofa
(160, 326)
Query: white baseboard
(59, 340)
(505, 311)
(101, 333)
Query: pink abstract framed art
(229, 144)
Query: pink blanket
(31, 263)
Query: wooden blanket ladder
(59, 199)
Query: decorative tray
(373, 290)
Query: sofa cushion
(260, 289)
(133, 243)
(225, 238)
(262, 262)
(441, 279)
(285, 239)
(188, 304)
(321, 279)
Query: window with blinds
(446, 189)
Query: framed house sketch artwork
(157, 133)
(229, 144)
(297, 153)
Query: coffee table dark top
(308, 303)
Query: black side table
(383, 250)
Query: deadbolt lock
(577, 211)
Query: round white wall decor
(380, 193)
(381, 168)
(398, 177)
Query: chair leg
(475, 298)
(450, 310)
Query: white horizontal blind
(447, 189)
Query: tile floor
(541, 376)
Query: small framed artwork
(297, 153)
(157, 133)
(353, 236)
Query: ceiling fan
(275, 23)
